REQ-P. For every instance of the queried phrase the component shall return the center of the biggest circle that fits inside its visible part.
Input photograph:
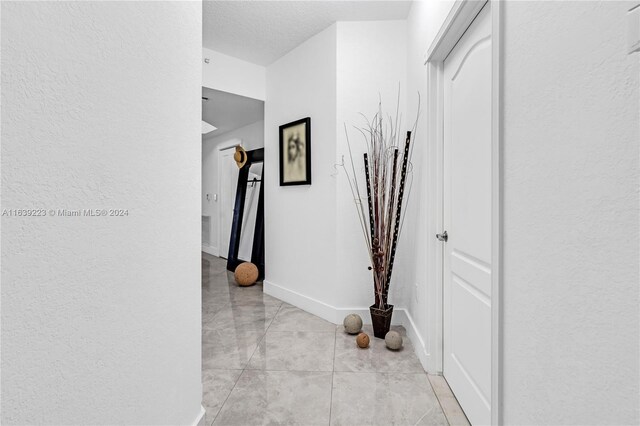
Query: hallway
(265, 361)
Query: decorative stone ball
(393, 340)
(352, 323)
(246, 274)
(362, 340)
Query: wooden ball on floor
(246, 274)
(352, 323)
(362, 340)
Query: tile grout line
(245, 366)
(261, 339)
(275, 331)
(433, 389)
(397, 373)
(225, 400)
(273, 319)
(438, 394)
(333, 372)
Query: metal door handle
(442, 237)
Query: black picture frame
(296, 170)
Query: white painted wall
(232, 75)
(101, 315)
(252, 137)
(332, 257)
(418, 261)
(571, 131)
(300, 231)
(426, 19)
(363, 79)
(571, 244)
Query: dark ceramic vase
(381, 320)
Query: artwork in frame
(295, 153)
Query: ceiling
(227, 111)
(263, 31)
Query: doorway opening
(238, 121)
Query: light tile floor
(266, 362)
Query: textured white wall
(363, 79)
(101, 315)
(252, 137)
(232, 75)
(571, 132)
(300, 231)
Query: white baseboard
(303, 302)
(213, 251)
(418, 342)
(335, 315)
(201, 419)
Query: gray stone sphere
(393, 340)
(352, 323)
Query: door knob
(442, 237)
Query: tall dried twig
(386, 180)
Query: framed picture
(295, 153)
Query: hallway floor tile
(378, 358)
(278, 397)
(384, 399)
(295, 351)
(266, 362)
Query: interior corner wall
(371, 68)
(100, 110)
(334, 76)
(571, 245)
(252, 137)
(300, 234)
(232, 75)
(420, 278)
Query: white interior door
(467, 219)
(228, 179)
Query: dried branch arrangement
(387, 170)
